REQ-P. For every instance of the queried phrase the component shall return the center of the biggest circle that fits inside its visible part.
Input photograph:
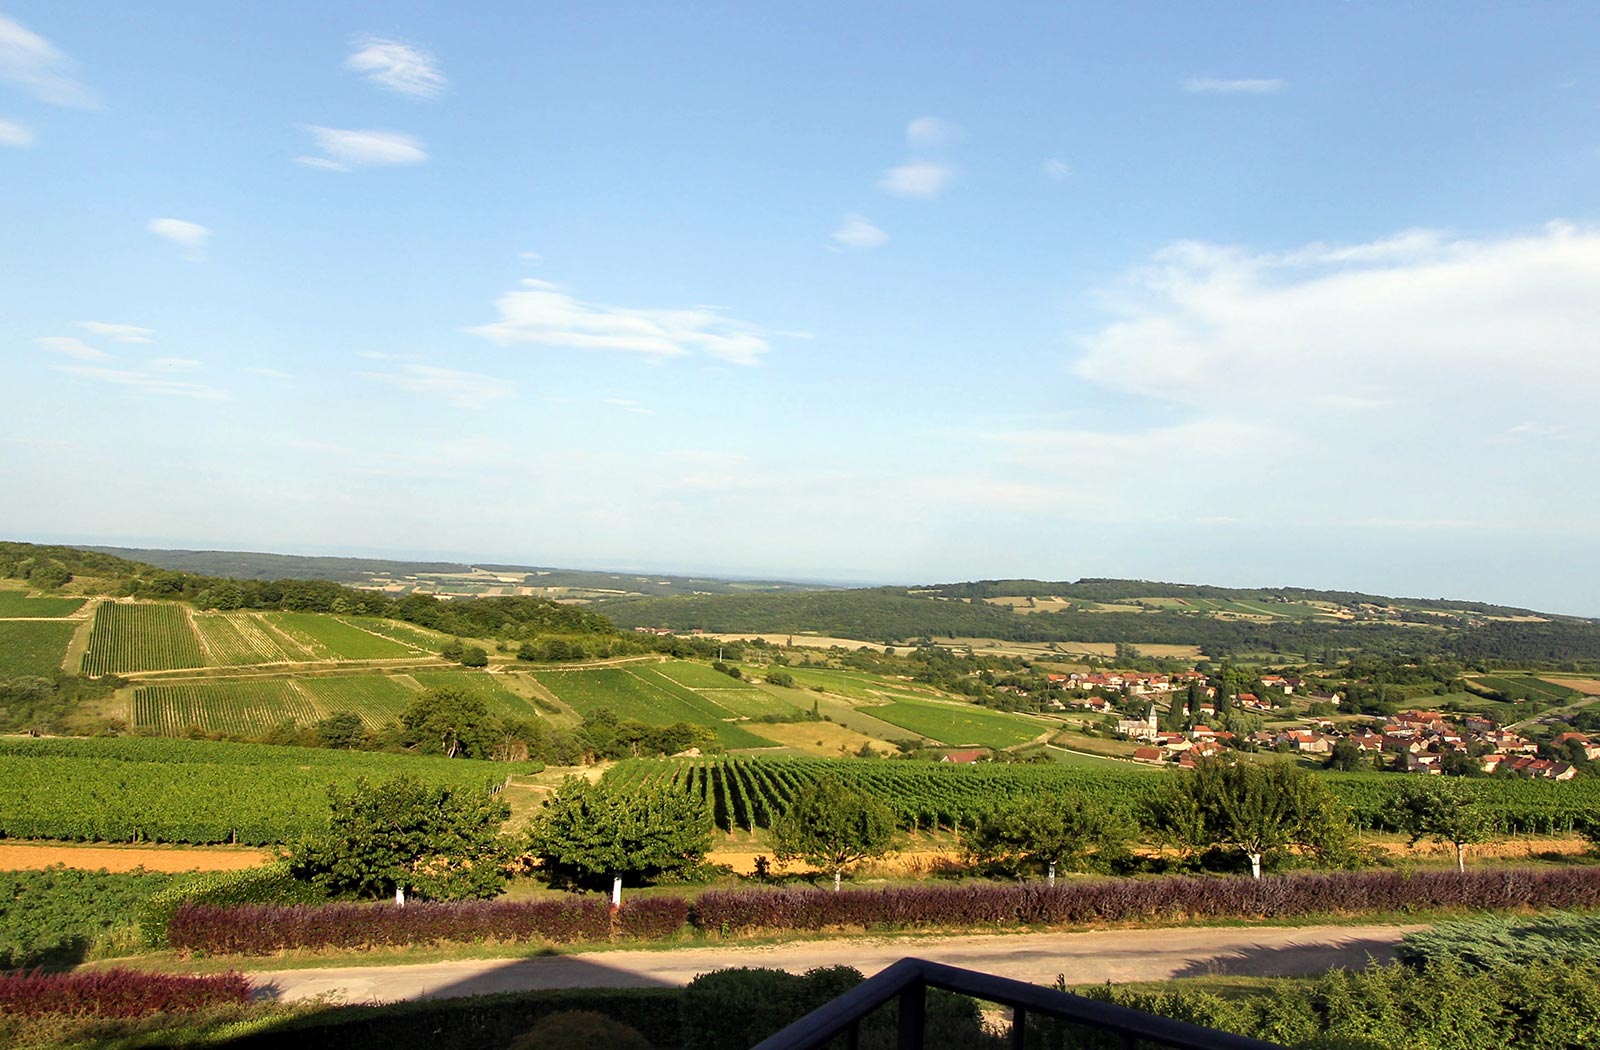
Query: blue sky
(1244, 294)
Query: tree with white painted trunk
(590, 835)
(1252, 807)
(1047, 831)
(833, 827)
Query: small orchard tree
(1445, 810)
(833, 827)
(1053, 832)
(404, 836)
(589, 832)
(1251, 807)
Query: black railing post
(1019, 1027)
(852, 1038)
(913, 1013)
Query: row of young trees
(406, 837)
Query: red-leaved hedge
(116, 993)
(259, 929)
(1152, 900)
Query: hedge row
(258, 929)
(116, 993)
(1165, 899)
(269, 884)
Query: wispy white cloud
(14, 134)
(397, 67)
(541, 314)
(857, 231)
(1216, 86)
(347, 149)
(122, 333)
(34, 64)
(470, 390)
(628, 405)
(931, 133)
(190, 236)
(1056, 169)
(529, 256)
(68, 346)
(147, 382)
(917, 179)
(172, 364)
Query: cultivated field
(643, 694)
(329, 638)
(957, 725)
(34, 648)
(17, 603)
(143, 636)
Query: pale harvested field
(828, 739)
(799, 641)
(16, 856)
(1022, 607)
(1586, 686)
(1043, 650)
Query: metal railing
(909, 979)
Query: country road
(1102, 955)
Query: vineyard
(15, 603)
(745, 793)
(328, 638)
(1526, 687)
(239, 639)
(967, 724)
(131, 789)
(33, 648)
(501, 701)
(141, 637)
(644, 694)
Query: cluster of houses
(1412, 741)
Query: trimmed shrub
(54, 917)
(117, 993)
(469, 1023)
(580, 1030)
(1144, 900)
(270, 884)
(651, 918)
(264, 928)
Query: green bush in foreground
(271, 884)
(1439, 1007)
(1556, 938)
(58, 916)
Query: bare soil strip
(17, 856)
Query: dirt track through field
(1083, 958)
(16, 856)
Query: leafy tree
(1345, 757)
(435, 841)
(474, 656)
(588, 832)
(458, 722)
(832, 827)
(1054, 832)
(1252, 807)
(1445, 810)
(342, 730)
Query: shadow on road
(1293, 959)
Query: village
(1412, 741)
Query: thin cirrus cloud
(39, 68)
(190, 236)
(1056, 169)
(153, 379)
(400, 68)
(17, 135)
(541, 314)
(122, 333)
(346, 149)
(1218, 86)
(931, 133)
(69, 346)
(857, 231)
(468, 390)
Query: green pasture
(33, 648)
(17, 603)
(334, 639)
(957, 726)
